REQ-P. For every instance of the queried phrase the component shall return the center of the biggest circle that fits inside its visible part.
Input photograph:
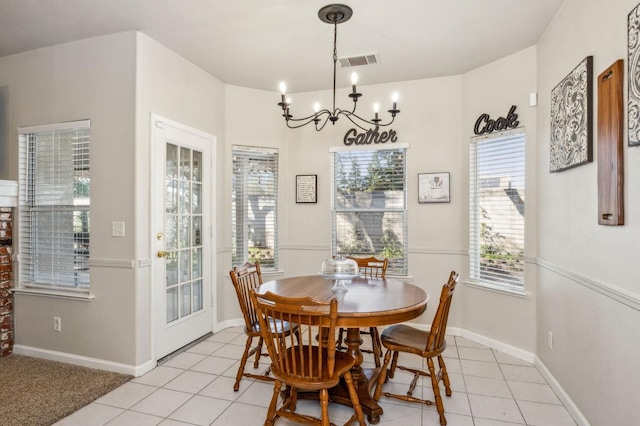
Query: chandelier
(335, 14)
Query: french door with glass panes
(182, 270)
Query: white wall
(588, 286)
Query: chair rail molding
(606, 289)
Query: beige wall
(588, 286)
(493, 89)
(429, 123)
(90, 79)
(175, 89)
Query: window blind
(369, 205)
(254, 204)
(54, 206)
(497, 191)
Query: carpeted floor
(38, 392)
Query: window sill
(58, 294)
(509, 291)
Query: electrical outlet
(550, 339)
(57, 324)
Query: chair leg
(271, 412)
(339, 344)
(243, 361)
(293, 398)
(324, 403)
(354, 397)
(445, 376)
(382, 377)
(436, 391)
(256, 362)
(394, 364)
(375, 343)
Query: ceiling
(258, 43)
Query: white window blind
(370, 205)
(254, 205)
(54, 206)
(497, 194)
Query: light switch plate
(117, 229)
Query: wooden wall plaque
(610, 135)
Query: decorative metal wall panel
(571, 119)
(633, 27)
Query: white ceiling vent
(352, 61)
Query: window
(54, 206)
(370, 205)
(254, 200)
(497, 210)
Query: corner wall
(88, 79)
(493, 89)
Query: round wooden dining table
(368, 302)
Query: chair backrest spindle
(246, 278)
(298, 361)
(371, 267)
(439, 325)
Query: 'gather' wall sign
(485, 124)
(352, 137)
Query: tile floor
(196, 388)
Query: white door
(182, 244)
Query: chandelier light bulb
(316, 107)
(283, 88)
(354, 80)
(376, 107)
(394, 97)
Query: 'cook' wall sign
(352, 137)
(485, 124)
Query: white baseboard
(238, 322)
(573, 409)
(501, 346)
(529, 357)
(99, 364)
(478, 338)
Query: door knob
(163, 253)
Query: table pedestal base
(364, 388)
(364, 380)
(340, 395)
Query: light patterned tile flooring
(196, 388)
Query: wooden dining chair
(403, 338)
(246, 278)
(308, 363)
(370, 267)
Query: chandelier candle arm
(335, 14)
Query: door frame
(153, 224)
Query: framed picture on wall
(433, 187)
(633, 40)
(306, 188)
(572, 118)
